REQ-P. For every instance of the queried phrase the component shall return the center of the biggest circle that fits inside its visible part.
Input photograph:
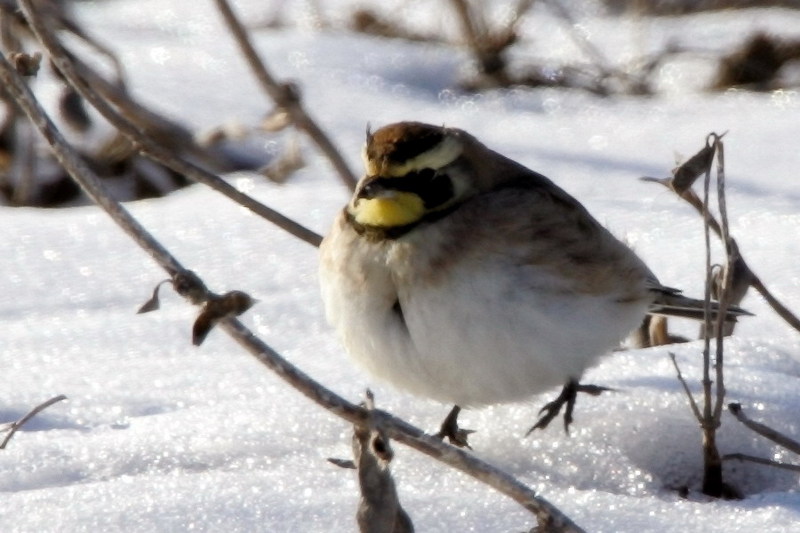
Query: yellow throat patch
(398, 209)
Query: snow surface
(160, 436)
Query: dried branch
(713, 484)
(745, 273)
(87, 81)
(692, 402)
(485, 47)
(724, 287)
(711, 414)
(759, 460)
(548, 516)
(379, 510)
(285, 95)
(579, 38)
(763, 430)
(14, 426)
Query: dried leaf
(153, 303)
(287, 164)
(342, 463)
(26, 64)
(277, 120)
(230, 304)
(189, 285)
(686, 174)
(73, 110)
(202, 327)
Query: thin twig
(67, 157)
(380, 508)
(761, 461)
(691, 198)
(285, 96)
(763, 430)
(66, 65)
(707, 401)
(578, 38)
(14, 426)
(692, 402)
(725, 285)
(399, 430)
(773, 302)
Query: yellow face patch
(397, 209)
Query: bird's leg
(450, 429)
(568, 396)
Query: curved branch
(66, 65)
(285, 96)
(550, 518)
(691, 198)
(14, 426)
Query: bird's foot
(568, 396)
(455, 435)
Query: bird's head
(413, 171)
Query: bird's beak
(374, 189)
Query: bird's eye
(424, 175)
(433, 187)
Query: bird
(457, 274)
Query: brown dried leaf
(73, 110)
(26, 64)
(230, 304)
(686, 174)
(153, 303)
(277, 120)
(286, 164)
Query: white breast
(487, 332)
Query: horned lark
(457, 274)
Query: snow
(160, 436)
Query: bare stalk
(692, 402)
(379, 509)
(710, 415)
(712, 461)
(549, 517)
(764, 430)
(760, 461)
(746, 272)
(66, 64)
(725, 285)
(14, 426)
(285, 96)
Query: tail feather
(673, 304)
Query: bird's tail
(672, 304)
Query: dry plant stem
(707, 401)
(73, 164)
(692, 402)
(776, 305)
(712, 403)
(86, 88)
(380, 509)
(763, 430)
(67, 67)
(725, 289)
(579, 39)
(549, 517)
(790, 318)
(284, 97)
(476, 35)
(761, 461)
(33, 412)
(546, 513)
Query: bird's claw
(455, 435)
(567, 396)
